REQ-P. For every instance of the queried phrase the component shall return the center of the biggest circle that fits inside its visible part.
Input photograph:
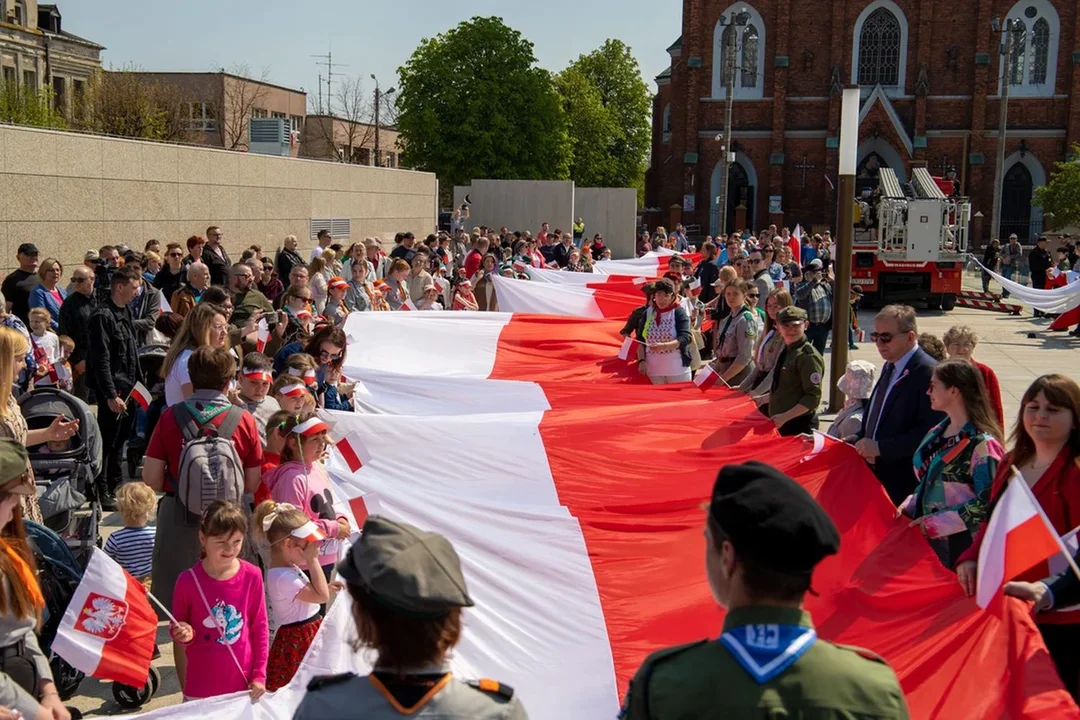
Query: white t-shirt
(50, 343)
(316, 251)
(178, 377)
(282, 586)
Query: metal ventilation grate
(340, 228)
(267, 130)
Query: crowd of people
(239, 356)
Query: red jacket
(993, 389)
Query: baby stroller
(59, 574)
(151, 360)
(65, 479)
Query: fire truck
(910, 241)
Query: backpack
(210, 467)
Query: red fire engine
(910, 242)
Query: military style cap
(791, 314)
(415, 572)
(13, 461)
(771, 519)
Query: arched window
(749, 43)
(1033, 61)
(880, 53)
(666, 120)
(20, 12)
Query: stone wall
(68, 193)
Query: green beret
(791, 314)
(414, 572)
(13, 461)
(771, 520)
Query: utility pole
(379, 95)
(737, 21)
(1003, 121)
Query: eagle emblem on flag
(102, 616)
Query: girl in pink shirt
(300, 480)
(221, 635)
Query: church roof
(878, 96)
(666, 75)
(675, 46)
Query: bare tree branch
(241, 96)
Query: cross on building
(804, 166)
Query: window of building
(667, 123)
(30, 80)
(9, 76)
(258, 113)
(748, 41)
(1035, 42)
(201, 117)
(278, 115)
(364, 156)
(297, 122)
(879, 49)
(60, 100)
(20, 12)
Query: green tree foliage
(127, 104)
(620, 158)
(1061, 195)
(473, 104)
(24, 106)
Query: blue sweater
(41, 297)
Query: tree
(473, 104)
(1061, 195)
(591, 128)
(241, 96)
(128, 104)
(21, 105)
(615, 74)
(353, 113)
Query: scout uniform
(769, 661)
(735, 344)
(418, 574)
(797, 378)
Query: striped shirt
(133, 548)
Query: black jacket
(285, 261)
(905, 419)
(168, 282)
(708, 273)
(75, 323)
(1039, 261)
(562, 254)
(113, 364)
(218, 265)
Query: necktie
(879, 400)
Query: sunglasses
(883, 338)
(79, 280)
(176, 254)
(327, 356)
(754, 295)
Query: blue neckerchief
(766, 650)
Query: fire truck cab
(910, 241)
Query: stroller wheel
(155, 681)
(129, 698)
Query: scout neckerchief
(727, 326)
(766, 650)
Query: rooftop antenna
(327, 61)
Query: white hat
(858, 380)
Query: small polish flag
(363, 507)
(409, 305)
(109, 628)
(439, 286)
(141, 395)
(304, 316)
(353, 451)
(263, 336)
(292, 391)
(519, 267)
(311, 426)
(1018, 536)
(707, 324)
(309, 531)
(706, 378)
(627, 346)
(639, 281)
(862, 336)
(695, 287)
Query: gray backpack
(210, 468)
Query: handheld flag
(409, 305)
(707, 324)
(109, 628)
(1018, 536)
(627, 346)
(263, 335)
(141, 395)
(695, 287)
(706, 378)
(353, 451)
(795, 244)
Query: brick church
(929, 72)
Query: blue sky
(199, 35)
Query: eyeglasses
(219, 327)
(883, 338)
(176, 254)
(327, 356)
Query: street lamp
(1011, 28)
(379, 95)
(739, 19)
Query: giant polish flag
(649, 265)
(586, 301)
(562, 277)
(573, 492)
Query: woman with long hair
(485, 287)
(956, 462)
(48, 293)
(768, 347)
(735, 340)
(327, 346)
(707, 272)
(206, 324)
(298, 305)
(12, 424)
(397, 287)
(28, 690)
(1046, 452)
(171, 275)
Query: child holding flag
(221, 629)
(294, 599)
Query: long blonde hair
(193, 333)
(12, 343)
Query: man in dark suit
(898, 415)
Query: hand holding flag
(141, 395)
(263, 335)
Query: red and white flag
(309, 531)
(262, 336)
(627, 347)
(109, 628)
(598, 300)
(1018, 536)
(141, 395)
(706, 377)
(353, 451)
(795, 244)
(409, 305)
(694, 288)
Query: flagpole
(1017, 477)
(163, 608)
